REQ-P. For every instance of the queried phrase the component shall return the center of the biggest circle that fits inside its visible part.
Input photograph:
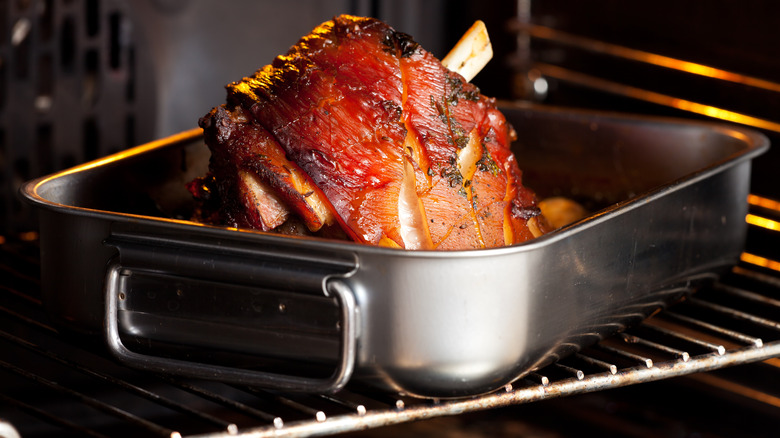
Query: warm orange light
(760, 261)
(653, 97)
(762, 202)
(182, 136)
(597, 46)
(29, 236)
(763, 222)
(721, 383)
(649, 58)
(175, 138)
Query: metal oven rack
(54, 383)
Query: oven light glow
(182, 136)
(650, 58)
(552, 71)
(760, 261)
(763, 222)
(596, 46)
(762, 202)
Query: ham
(358, 132)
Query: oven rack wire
(729, 322)
(548, 43)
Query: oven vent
(60, 384)
(69, 92)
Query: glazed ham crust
(359, 129)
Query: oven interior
(81, 79)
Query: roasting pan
(120, 259)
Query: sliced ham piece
(358, 130)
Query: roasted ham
(358, 132)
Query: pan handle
(333, 287)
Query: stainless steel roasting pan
(119, 257)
